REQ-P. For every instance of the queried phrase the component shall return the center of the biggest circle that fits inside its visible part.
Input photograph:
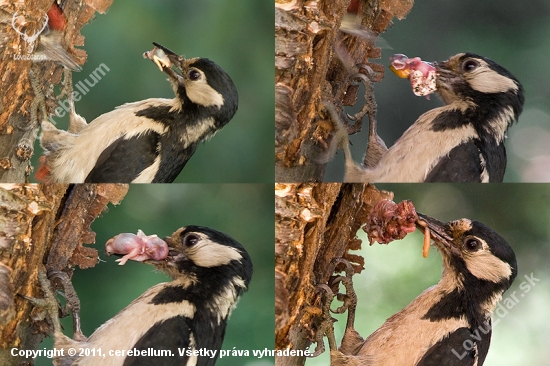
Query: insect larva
(427, 238)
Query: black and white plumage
(210, 272)
(478, 267)
(146, 141)
(462, 141)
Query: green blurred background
(238, 35)
(243, 211)
(397, 273)
(515, 34)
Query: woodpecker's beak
(172, 56)
(445, 77)
(165, 58)
(175, 254)
(440, 234)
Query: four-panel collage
(149, 215)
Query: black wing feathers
(461, 165)
(442, 353)
(169, 169)
(162, 337)
(125, 159)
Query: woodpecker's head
(208, 259)
(479, 81)
(476, 259)
(200, 83)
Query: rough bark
(307, 72)
(42, 227)
(18, 131)
(314, 223)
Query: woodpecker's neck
(491, 125)
(460, 294)
(216, 289)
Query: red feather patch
(56, 19)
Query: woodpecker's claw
(368, 108)
(349, 300)
(48, 304)
(73, 302)
(326, 327)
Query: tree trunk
(314, 223)
(307, 39)
(19, 22)
(42, 227)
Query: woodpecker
(449, 323)
(462, 141)
(210, 272)
(149, 141)
(50, 46)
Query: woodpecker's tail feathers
(43, 172)
(375, 150)
(51, 140)
(76, 122)
(50, 48)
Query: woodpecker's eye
(190, 240)
(472, 244)
(470, 65)
(194, 75)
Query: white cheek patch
(200, 92)
(211, 254)
(483, 265)
(486, 80)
